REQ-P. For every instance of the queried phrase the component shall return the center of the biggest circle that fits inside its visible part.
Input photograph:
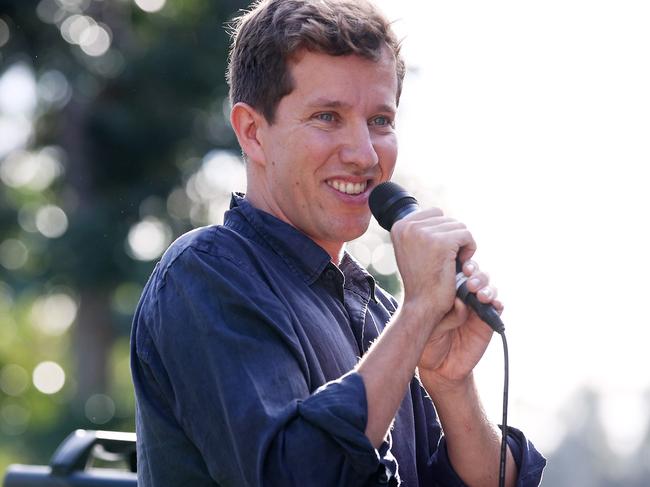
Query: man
(246, 342)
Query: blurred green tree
(113, 139)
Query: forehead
(346, 78)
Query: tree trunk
(93, 338)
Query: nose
(358, 147)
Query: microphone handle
(486, 312)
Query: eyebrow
(329, 103)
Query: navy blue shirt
(243, 350)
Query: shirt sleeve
(530, 463)
(230, 366)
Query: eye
(382, 121)
(325, 117)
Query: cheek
(387, 152)
(319, 147)
(311, 154)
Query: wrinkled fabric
(242, 351)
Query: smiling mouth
(347, 187)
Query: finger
(434, 219)
(443, 225)
(423, 214)
(477, 281)
(467, 251)
(487, 294)
(470, 267)
(432, 222)
(442, 230)
(439, 223)
(498, 306)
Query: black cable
(504, 420)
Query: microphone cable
(504, 418)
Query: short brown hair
(266, 37)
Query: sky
(530, 122)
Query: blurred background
(529, 122)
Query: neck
(334, 249)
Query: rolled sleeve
(337, 409)
(530, 463)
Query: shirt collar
(359, 279)
(301, 254)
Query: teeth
(347, 187)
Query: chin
(352, 230)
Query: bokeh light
(93, 38)
(51, 221)
(14, 379)
(27, 217)
(54, 314)
(361, 253)
(220, 172)
(148, 239)
(383, 259)
(31, 170)
(99, 408)
(209, 188)
(361, 248)
(50, 12)
(150, 5)
(74, 6)
(15, 133)
(48, 377)
(13, 254)
(72, 27)
(18, 90)
(53, 88)
(17, 106)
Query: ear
(247, 122)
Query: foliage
(113, 140)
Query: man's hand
(427, 244)
(460, 339)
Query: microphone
(390, 202)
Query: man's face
(332, 141)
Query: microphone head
(390, 202)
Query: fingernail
(486, 291)
(475, 282)
(469, 267)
